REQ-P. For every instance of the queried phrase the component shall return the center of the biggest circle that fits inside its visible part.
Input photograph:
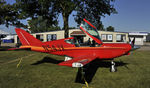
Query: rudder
(27, 39)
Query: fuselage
(105, 51)
(67, 46)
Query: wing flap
(78, 61)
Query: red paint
(81, 55)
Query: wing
(79, 61)
(20, 48)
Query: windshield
(92, 31)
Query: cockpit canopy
(89, 29)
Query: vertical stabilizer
(27, 39)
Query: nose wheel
(112, 67)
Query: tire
(113, 70)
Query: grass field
(40, 70)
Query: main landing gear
(112, 67)
(80, 75)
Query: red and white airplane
(76, 56)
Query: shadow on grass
(47, 60)
(88, 71)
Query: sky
(133, 16)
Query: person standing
(93, 43)
(89, 42)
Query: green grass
(49, 75)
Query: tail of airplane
(27, 39)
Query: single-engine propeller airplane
(77, 56)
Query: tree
(35, 9)
(65, 7)
(40, 25)
(100, 27)
(110, 28)
(9, 15)
(92, 10)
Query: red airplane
(76, 56)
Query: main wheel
(113, 69)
